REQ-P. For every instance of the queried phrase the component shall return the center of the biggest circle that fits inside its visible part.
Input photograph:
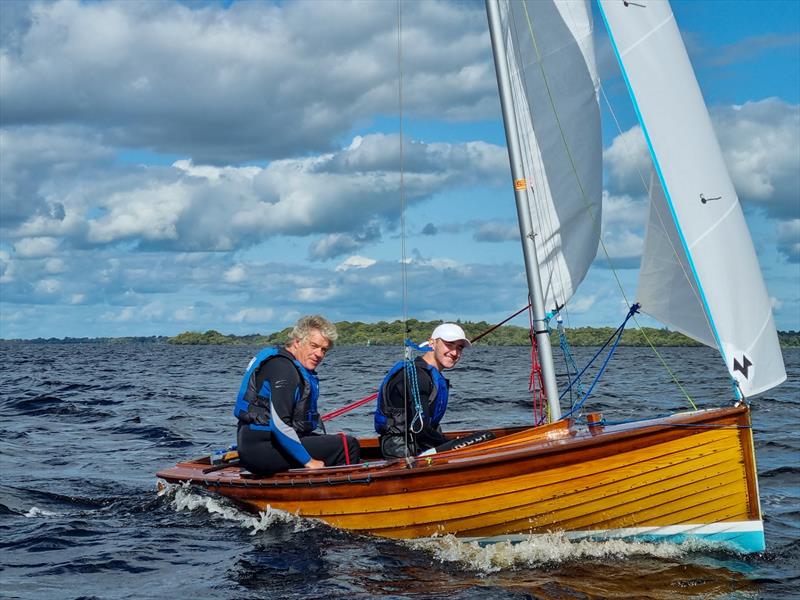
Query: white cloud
(318, 294)
(628, 163)
(761, 144)
(235, 274)
(253, 315)
(123, 315)
(36, 247)
(355, 262)
(207, 208)
(445, 265)
(54, 266)
(7, 268)
(622, 230)
(132, 69)
(582, 303)
(789, 239)
(184, 313)
(47, 286)
(151, 310)
(148, 213)
(496, 231)
(759, 141)
(39, 168)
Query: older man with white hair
(277, 406)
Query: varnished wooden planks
(693, 468)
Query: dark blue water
(85, 427)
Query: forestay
(711, 287)
(554, 83)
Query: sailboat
(688, 475)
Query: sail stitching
(714, 225)
(756, 338)
(648, 35)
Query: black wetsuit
(276, 409)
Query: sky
(185, 166)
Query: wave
(553, 548)
(184, 497)
(780, 472)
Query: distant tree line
(384, 333)
(138, 339)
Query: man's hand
(314, 464)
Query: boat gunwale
(455, 460)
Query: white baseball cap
(450, 332)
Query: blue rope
(589, 364)
(618, 333)
(417, 423)
(568, 358)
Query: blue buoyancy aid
(437, 400)
(252, 406)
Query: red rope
(491, 329)
(346, 449)
(340, 411)
(536, 381)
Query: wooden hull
(688, 475)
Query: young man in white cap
(408, 422)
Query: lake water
(86, 426)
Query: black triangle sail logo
(743, 367)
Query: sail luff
(698, 194)
(523, 211)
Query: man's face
(447, 354)
(310, 351)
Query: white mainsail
(550, 58)
(695, 209)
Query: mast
(541, 332)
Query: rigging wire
(402, 166)
(407, 356)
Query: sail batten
(694, 209)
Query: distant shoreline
(391, 334)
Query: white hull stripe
(747, 536)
